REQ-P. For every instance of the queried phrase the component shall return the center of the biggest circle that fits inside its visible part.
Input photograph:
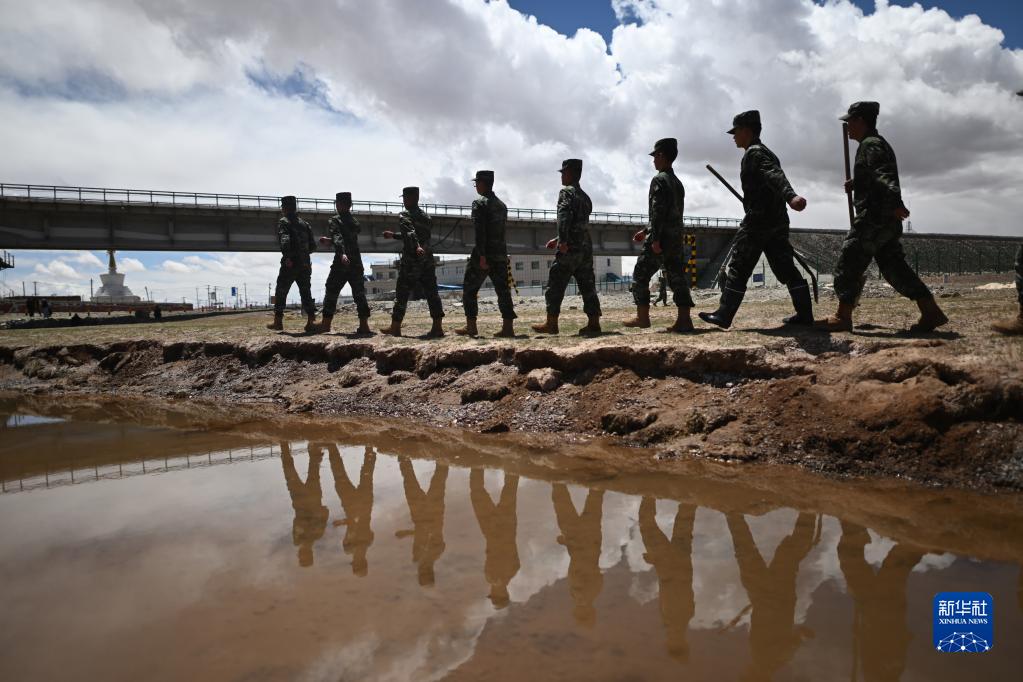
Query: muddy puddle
(161, 547)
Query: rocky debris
(544, 380)
(475, 394)
(623, 423)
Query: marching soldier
(662, 241)
(662, 290)
(417, 265)
(489, 258)
(574, 253)
(295, 238)
(877, 228)
(764, 228)
(1014, 327)
(347, 265)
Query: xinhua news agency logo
(963, 622)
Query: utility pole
(267, 294)
(246, 288)
(35, 288)
(24, 295)
(90, 289)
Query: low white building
(529, 271)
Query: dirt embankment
(920, 409)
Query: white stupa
(113, 289)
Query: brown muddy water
(347, 551)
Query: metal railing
(70, 473)
(148, 197)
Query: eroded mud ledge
(913, 409)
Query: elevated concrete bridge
(48, 217)
(92, 218)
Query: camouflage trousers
(298, 273)
(774, 243)
(475, 276)
(413, 273)
(578, 264)
(867, 241)
(671, 259)
(340, 274)
(1019, 274)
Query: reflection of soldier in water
(498, 522)
(357, 503)
(306, 498)
(673, 561)
(773, 634)
(427, 512)
(879, 600)
(581, 536)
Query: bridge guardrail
(106, 195)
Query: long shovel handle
(848, 171)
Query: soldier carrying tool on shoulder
(347, 265)
(416, 266)
(295, 238)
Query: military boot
(731, 299)
(683, 323)
(436, 331)
(469, 329)
(803, 304)
(507, 329)
(592, 327)
(394, 329)
(324, 326)
(841, 321)
(364, 329)
(931, 316)
(642, 319)
(1013, 327)
(310, 323)
(278, 323)
(548, 327)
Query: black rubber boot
(802, 303)
(731, 299)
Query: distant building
(529, 271)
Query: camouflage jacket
(344, 234)
(574, 207)
(876, 189)
(666, 200)
(414, 228)
(489, 215)
(765, 189)
(296, 239)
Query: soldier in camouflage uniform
(347, 265)
(1014, 327)
(417, 265)
(877, 228)
(574, 253)
(295, 238)
(662, 241)
(764, 228)
(489, 258)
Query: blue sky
(567, 16)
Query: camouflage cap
(747, 119)
(343, 196)
(289, 201)
(862, 110)
(410, 192)
(666, 144)
(572, 165)
(484, 176)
